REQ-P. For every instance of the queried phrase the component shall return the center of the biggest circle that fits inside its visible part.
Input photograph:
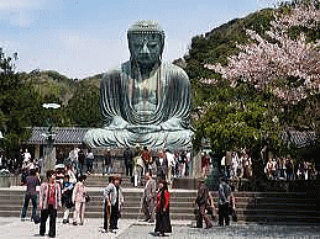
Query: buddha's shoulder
(112, 72)
(175, 70)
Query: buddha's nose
(145, 49)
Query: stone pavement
(131, 229)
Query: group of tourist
(285, 169)
(55, 192)
(237, 165)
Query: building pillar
(49, 157)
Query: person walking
(147, 158)
(31, 181)
(149, 198)
(204, 203)
(163, 224)
(128, 158)
(50, 201)
(79, 200)
(114, 200)
(224, 201)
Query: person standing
(31, 181)
(79, 200)
(50, 201)
(90, 158)
(205, 163)
(224, 201)
(204, 203)
(114, 199)
(81, 158)
(128, 157)
(163, 224)
(67, 189)
(149, 197)
(107, 162)
(162, 165)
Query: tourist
(31, 181)
(128, 158)
(79, 200)
(72, 176)
(171, 165)
(67, 189)
(149, 198)
(50, 201)
(268, 169)
(187, 162)
(182, 163)
(162, 165)
(289, 169)
(107, 204)
(204, 203)
(205, 163)
(114, 199)
(107, 162)
(163, 224)
(176, 164)
(81, 159)
(281, 167)
(224, 200)
(90, 159)
(147, 158)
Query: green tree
(83, 108)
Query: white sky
(81, 38)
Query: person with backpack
(204, 202)
(31, 181)
(67, 190)
(224, 201)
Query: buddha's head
(146, 41)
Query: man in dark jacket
(128, 156)
(224, 201)
(31, 181)
(162, 165)
(204, 202)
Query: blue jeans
(25, 206)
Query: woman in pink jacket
(79, 200)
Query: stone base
(185, 183)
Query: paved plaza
(131, 229)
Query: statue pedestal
(49, 157)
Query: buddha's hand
(144, 129)
(118, 123)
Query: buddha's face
(145, 48)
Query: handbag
(87, 198)
(36, 219)
(234, 215)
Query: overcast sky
(81, 38)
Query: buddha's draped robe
(162, 120)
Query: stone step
(263, 218)
(259, 207)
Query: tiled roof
(63, 135)
(299, 138)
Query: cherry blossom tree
(288, 66)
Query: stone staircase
(266, 207)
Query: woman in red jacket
(163, 224)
